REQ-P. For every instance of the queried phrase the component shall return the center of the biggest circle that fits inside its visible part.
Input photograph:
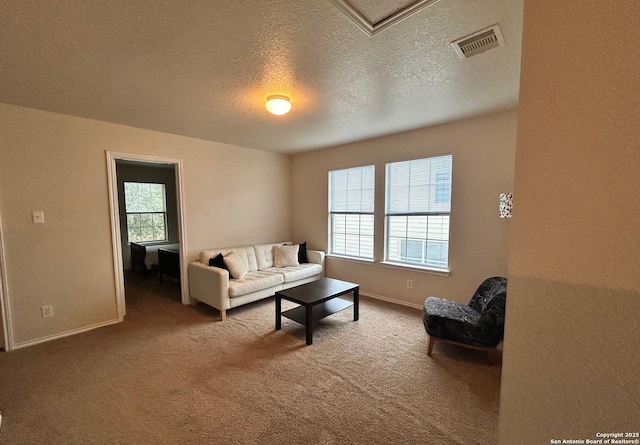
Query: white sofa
(211, 285)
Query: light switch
(38, 217)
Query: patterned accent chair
(479, 325)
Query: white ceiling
(203, 68)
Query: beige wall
(57, 163)
(571, 359)
(483, 156)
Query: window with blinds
(146, 209)
(417, 214)
(351, 205)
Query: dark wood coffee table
(317, 300)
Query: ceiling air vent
(478, 42)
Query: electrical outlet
(47, 311)
(409, 284)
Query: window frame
(438, 183)
(151, 213)
(332, 214)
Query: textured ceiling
(204, 68)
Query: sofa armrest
(317, 257)
(209, 285)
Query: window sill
(350, 258)
(430, 270)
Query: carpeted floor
(173, 374)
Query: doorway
(119, 226)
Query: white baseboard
(391, 300)
(64, 334)
(110, 322)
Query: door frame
(5, 308)
(116, 236)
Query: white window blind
(418, 207)
(351, 206)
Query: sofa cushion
(247, 254)
(264, 254)
(296, 273)
(253, 282)
(284, 256)
(236, 266)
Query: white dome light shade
(278, 105)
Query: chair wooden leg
(432, 340)
(223, 315)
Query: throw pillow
(302, 252)
(218, 262)
(236, 266)
(284, 256)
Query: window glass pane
(352, 235)
(145, 204)
(420, 239)
(418, 201)
(339, 223)
(351, 190)
(366, 246)
(146, 227)
(339, 244)
(158, 219)
(443, 188)
(437, 253)
(420, 185)
(352, 245)
(412, 251)
(144, 197)
(133, 220)
(422, 252)
(417, 227)
(366, 225)
(397, 226)
(146, 233)
(394, 243)
(351, 203)
(438, 228)
(158, 233)
(145, 219)
(353, 224)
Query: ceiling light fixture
(278, 105)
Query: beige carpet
(173, 374)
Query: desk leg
(278, 312)
(356, 304)
(308, 323)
